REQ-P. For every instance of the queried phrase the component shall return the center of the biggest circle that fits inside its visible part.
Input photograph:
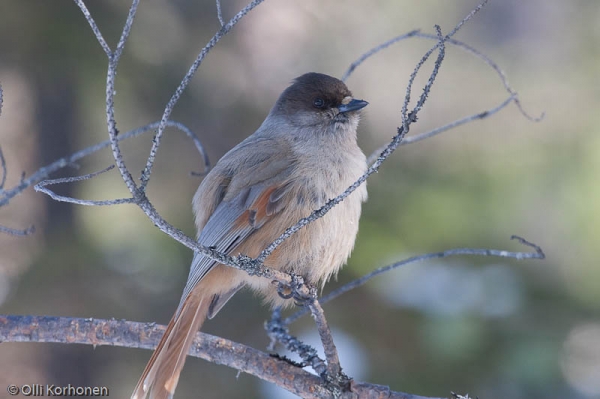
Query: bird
(303, 154)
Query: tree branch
(494, 66)
(538, 254)
(434, 132)
(94, 27)
(18, 232)
(217, 350)
(42, 188)
(46, 171)
(220, 13)
(182, 86)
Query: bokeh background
(487, 326)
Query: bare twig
(44, 172)
(197, 143)
(220, 13)
(495, 67)
(461, 45)
(4, 171)
(185, 81)
(217, 350)
(278, 332)
(42, 188)
(467, 18)
(126, 30)
(441, 129)
(407, 118)
(111, 123)
(331, 373)
(334, 369)
(18, 232)
(416, 33)
(538, 254)
(456, 123)
(375, 50)
(94, 27)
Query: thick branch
(214, 349)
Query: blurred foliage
(490, 327)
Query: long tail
(160, 377)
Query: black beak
(353, 105)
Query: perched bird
(303, 154)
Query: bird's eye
(319, 103)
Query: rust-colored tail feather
(160, 377)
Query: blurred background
(487, 326)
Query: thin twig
(126, 31)
(18, 232)
(197, 143)
(4, 171)
(459, 44)
(467, 18)
(277, 332)
(220, 13)
(184, 83)
(375, 50)
(440, 43)
(44, 172)
(538, 254)
(334, 369)
(111, 123)
(406, 117)
(331, 373)
(413, 33)
(94, 27)
(494, 66)
(42, 188)
(441, 129)
(462, 121)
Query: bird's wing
(250, 197)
